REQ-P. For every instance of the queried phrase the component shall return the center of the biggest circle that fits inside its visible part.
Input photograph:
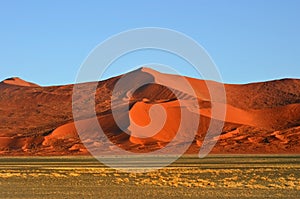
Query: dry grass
(272, 178)
(260, 178)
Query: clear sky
(249, 40)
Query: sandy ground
(248, 176)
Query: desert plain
(215, 176)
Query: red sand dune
(260, 117)
(18, 82)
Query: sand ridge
(18, 82)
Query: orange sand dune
(269, 118)
(260, 117)
(18, 82)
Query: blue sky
(249, 40)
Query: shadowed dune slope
(260, 117)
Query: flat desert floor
(216, 176)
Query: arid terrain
(261, 118)
(43, 155)
(189, 177)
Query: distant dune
(261, 118)
(18, 82)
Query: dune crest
(18, 82)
